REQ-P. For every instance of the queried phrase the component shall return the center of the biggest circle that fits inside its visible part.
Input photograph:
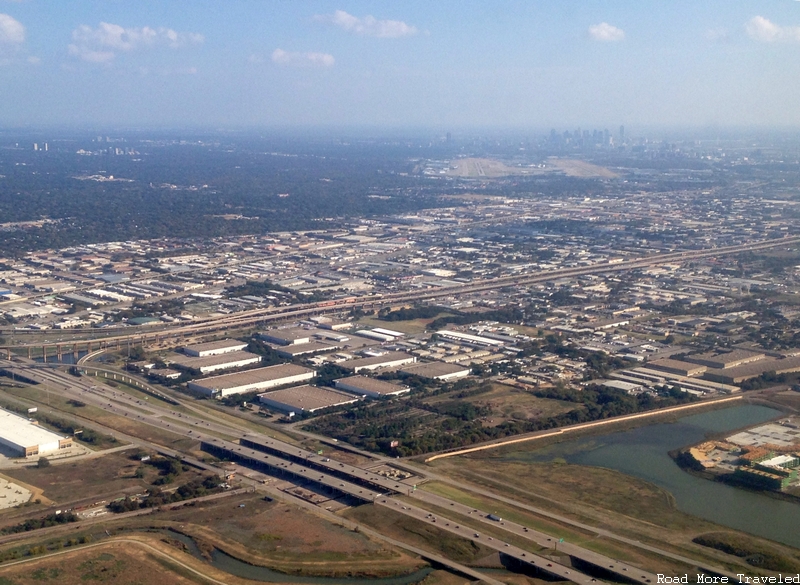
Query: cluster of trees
(504, 315)
(408, 314)
(423, 428)
(169, 469)
(37, 523)
(241, 179)
(193, 489)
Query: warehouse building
(738, 374)
(470, 340)
(364, 386)
(214, 363)
(301, 349)
(677, 367)
(25, 438)
(215, 348)
(250, 380)
(305, 399)
(289, 336)
(387, 360)
(437, 371)
(731, 359)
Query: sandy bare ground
(490, 168)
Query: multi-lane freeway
(275, 457)
(253, 317)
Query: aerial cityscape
(243, 342)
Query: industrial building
(289, 336)
(250, 380)
(730, 359)
(215, 348)
(214, 362)
(305, 398)
(389, 359)
(470, 340)
(300, 349)
(677, 367)
(737, 374)
(364, 386)
(437, 371)
(26, 438)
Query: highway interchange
(277, 458)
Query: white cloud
(102, 44)
(11, 31)
(369, 26)
(282, 57)
(761, 29)
(606, 32)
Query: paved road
(501, 546)
(539, 538)
(309, 464)
(133, 541)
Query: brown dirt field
(98, 478)
(579, 168)
(509, 403)
(282, 537)
(489, 168)
(115, 563)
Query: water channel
(643, 453)
(233, 566)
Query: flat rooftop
(392, 356)
(434, 369)
(726, 360)
(308, 398)
(226, 381)
(216, 345)
(372, 385)
(289, 334)
(212, 360)
(20, 431)
(677, 366)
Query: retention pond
(644, 452)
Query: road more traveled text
(740, 578)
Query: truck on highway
(494, 517)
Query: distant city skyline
(361, 63)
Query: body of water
(233, 566)
(643, 452)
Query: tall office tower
(621, 133)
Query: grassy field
(279, 536)
(596, 496)
(282, 537)
(58, 405)
(107, 476)
(114, 563)
(417, 533)
(410, 327)
(508, 403)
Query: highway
(287, 460)
(255, 317)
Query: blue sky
(442, 64)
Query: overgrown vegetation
(755, 555)
(37, 523)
